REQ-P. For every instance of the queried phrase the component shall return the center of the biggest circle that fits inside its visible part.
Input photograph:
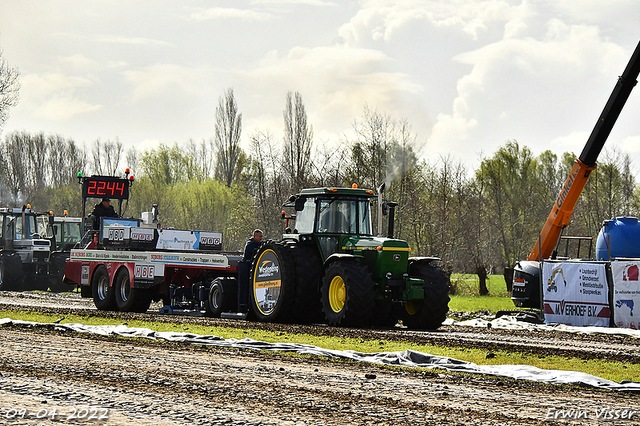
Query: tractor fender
(425, 259)
(341, 256)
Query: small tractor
(24, 253)
(64, 232)
(332, 268)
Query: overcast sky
(466, 75)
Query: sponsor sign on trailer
(173, 239)
(575, 293)
(626, 293)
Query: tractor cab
(331, 217)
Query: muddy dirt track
(65, 378)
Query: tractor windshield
(30, 222)
(344, 216)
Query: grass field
(467, 299)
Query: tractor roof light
(354, 186)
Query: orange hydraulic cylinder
(561, 211)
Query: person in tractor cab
(102, 209)
(252, 245)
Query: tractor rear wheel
(430, 312)
(129, 299)
(10, 272)
(307, 306)
(103, 294)
(348, 294)
(273, 283)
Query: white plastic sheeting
(511, 323)
(406, 358)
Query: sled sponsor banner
(575, 293)
(173, 239)
(626, 293)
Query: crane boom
(586, 163)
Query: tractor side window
(364, 212)
(305, 217)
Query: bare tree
(15, 162)
(9, 88)
(132, 160)
(268, 181)
(328, 164)
(374, 136)
(298, 138)
(227, 139)
(37, 171)
(106, 157)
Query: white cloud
(80, 63)
(335, 83)
(631, 144)
(573, 142)
(56, 96)
(222, 13)
(119, 39)
(379, 20)
(65, 107)
(318, 3)
(167, 81)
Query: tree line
(477, 221)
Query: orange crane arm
(561, 211)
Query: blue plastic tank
(621, 235)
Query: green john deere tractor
(332, 268)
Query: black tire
(273, 283)
(130, 299)
(11, 275)
(430, 312)
(57, 263)
(102, 292)
(348, 294)
(220, 299)
(307, 305)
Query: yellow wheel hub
(337, 294)
(412, 307)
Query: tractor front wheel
(430, 312)
(348, 294)
(11, 275)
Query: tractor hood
(359, 243)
